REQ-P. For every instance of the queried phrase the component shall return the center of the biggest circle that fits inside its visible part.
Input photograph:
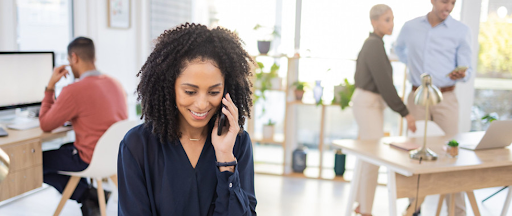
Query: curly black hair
(173, 50)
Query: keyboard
(24, 125)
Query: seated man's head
(183, 80)
(81, 55)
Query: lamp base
(424, 153)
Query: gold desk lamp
(426, 95)
(4, 165)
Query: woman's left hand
(224, 143)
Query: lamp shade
(4, 165)
(427, 93)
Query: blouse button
(230, 184)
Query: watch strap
(225, 164)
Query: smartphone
(221, 116)
(457, 69)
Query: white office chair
(432, 129)
(103, 163)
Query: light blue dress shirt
(434, 50)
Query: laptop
(498, 135)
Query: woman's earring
(175, 106)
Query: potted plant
(299, 89)
(452, 148)
(276, 82)
(265, 81)
(266, 34)
(488, 118)
(268, 130)
(343, 94)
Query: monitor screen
(23, 78)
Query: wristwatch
(225, 164)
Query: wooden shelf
(309, 173)
(270, 56)
(296, 102)
(278, 90)
(313, 57)
(287, 141)
(312, 173)
(268, 141)
(268, 168)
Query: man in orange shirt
(92, 104)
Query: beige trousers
(368, 108)
(446, 115)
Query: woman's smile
(199, 115)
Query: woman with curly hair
(176, 163)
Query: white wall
(8, 26)
(120, 53)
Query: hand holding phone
(456, 74)
(221, 116)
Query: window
(167, 14)
(46, 25)
(493, 83)
(333, 40)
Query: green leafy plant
(345, 95)
(265, 84)
(320, 102)
(300, 85)
(270, 123)
(488, 118)
(264, 79)
(453, 143)
(138, 109)
(267, 33)
(494, 57)
(273, 70)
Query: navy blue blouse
(158, 179)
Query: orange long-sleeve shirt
(92, 105)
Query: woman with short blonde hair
(374, 91)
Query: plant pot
(299, 94)
(268, 132)
(299, 160)
(452, 151)
(337, 90)
(339, 163)
(276, 83)
(263, 47)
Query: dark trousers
(66, 158)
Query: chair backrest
(104, 158)
(432, 129)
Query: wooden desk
(471, 170)
(26, 160)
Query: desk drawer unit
(26, 168)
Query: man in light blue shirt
(436, 50)
(438, 45)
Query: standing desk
(26, 159)
(408, 178)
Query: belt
(442, 89)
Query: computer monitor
(23, 78)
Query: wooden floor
(277, 196)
